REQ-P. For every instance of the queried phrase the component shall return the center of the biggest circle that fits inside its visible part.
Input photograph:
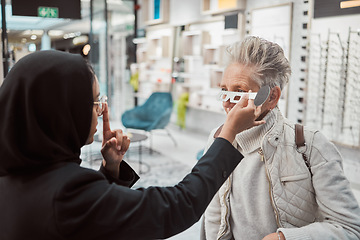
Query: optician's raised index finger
(106, 122)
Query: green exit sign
(48, 12)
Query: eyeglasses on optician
(100, 105)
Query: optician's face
(237, 78)
(94, 120)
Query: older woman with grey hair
(273, 194)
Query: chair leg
(150, 140)
(172, 138)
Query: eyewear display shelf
(153, 65)
(200, 70)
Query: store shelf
(155, 11)
(204, 108)
(154, 60)
(214, 7)
(205, 57)
(190, 75)
(158, 47)
(193, 86)
(210, 54)
(216, 77)
(193, 42)
(139, 40)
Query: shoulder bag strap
(300, 142)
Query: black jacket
(67, 201)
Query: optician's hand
(241, 117)
(114, 146)
(275, 236)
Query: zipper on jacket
(261, 154)
(227, 210)
(270, 188)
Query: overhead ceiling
(21, 28)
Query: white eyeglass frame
(226, 95)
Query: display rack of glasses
(333, 89)
(351, 124)
(315, 83)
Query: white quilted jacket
(305, 207)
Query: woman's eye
(240, 90)
(223, 89)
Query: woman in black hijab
(49, 104)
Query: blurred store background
(138, 47)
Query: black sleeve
(110, 211)
(127, 176)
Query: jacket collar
(273, 136)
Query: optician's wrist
(227, 134)
(112, 168)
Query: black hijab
(46, 109)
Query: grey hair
(267, 60)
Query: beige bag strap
(299, 135)
(300, 142)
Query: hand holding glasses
(234, 97)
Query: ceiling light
(33, 37)
(80, 40)
(350, 4)
(32, 47)
(27, 32)
(71, 35)
(119, 2)
(86, 49)
(32, 32)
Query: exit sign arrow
(48, 12)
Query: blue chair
(154, 114)
(200, 154)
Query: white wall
(183, 12)
(339, 24)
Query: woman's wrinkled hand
(241, 117)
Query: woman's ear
(275, 94)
